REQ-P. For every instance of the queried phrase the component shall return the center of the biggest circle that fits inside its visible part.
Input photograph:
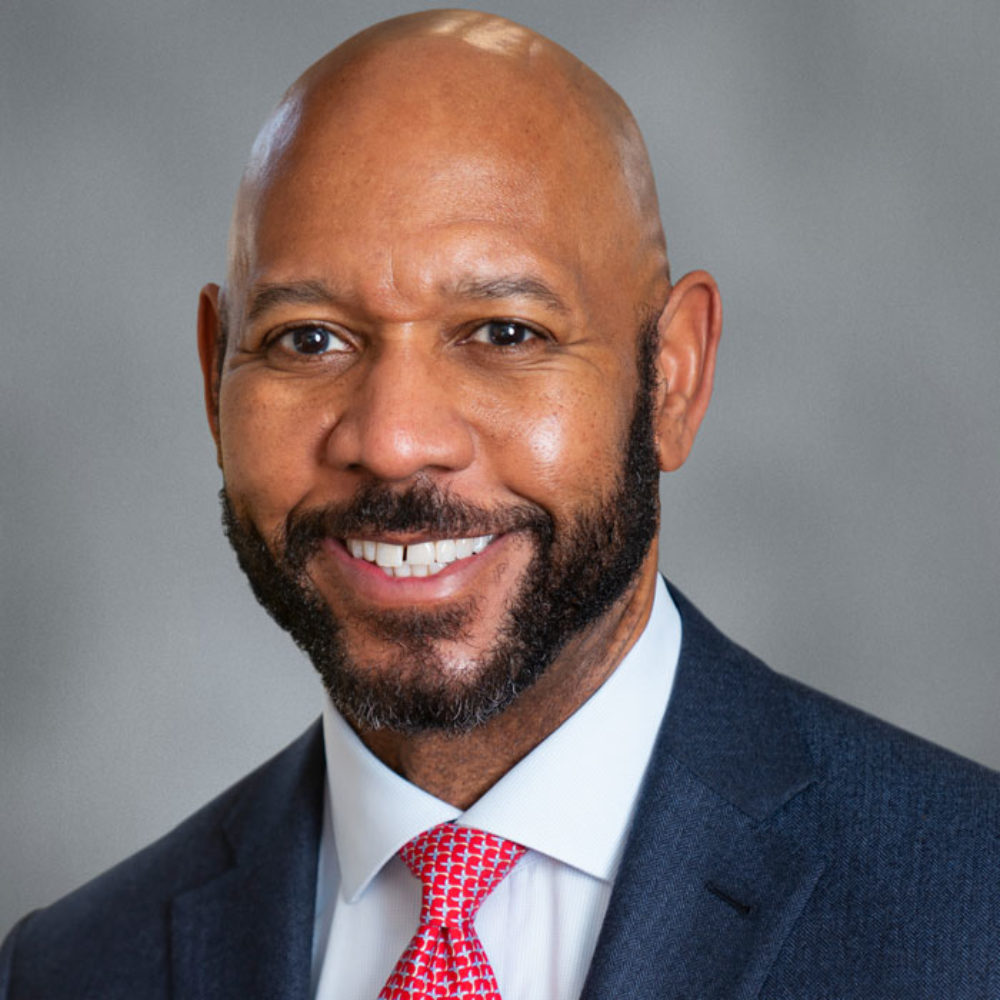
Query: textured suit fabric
(784, 846)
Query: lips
(416, 559)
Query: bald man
(443, 374)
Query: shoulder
(120, 920)
(839, 746)
(906, 833)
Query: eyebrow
(513, 286)
(265, 297)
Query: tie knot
(458, 869)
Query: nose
(401, 417)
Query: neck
(459, 768)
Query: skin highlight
(436, 173)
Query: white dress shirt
(569, 802)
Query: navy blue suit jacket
(784, 846)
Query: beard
(577, 572)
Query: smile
(417, 558)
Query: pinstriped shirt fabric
(569, 802)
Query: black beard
(577, 572)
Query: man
(445, 369)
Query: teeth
(387, 554)
(420, 554)
(444, 551)
(418, 559)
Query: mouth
(416, 559)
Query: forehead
(402, 168)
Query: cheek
(269, 449)
(563, 447)
(547, 442)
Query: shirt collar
(570, 798)
(374, 810)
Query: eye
(311, 340)
(504, 333)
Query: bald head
(463, 100)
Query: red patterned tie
(458, 868)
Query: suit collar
(248, 932)
(710, 884)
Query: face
(578, 571)
(435, 408)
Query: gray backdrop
(835, 164)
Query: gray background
(835, 164)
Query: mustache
(423, 507)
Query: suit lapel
(248, 932)
(710, 884)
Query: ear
(211, 348)
(689, 328)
